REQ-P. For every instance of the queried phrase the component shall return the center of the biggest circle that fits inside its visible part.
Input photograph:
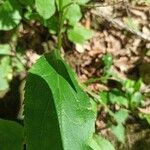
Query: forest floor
(127, 38)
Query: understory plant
(122, 102)
(58, 114)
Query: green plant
(57, 19)
(10, 64)
(58, 113)
(128, 99)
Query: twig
(120, 24)
(97, 99)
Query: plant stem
(60, 25)
(59, 34)
(97, 99)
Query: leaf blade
(46, 8)
(73, 110)
(11, 135)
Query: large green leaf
(11, 135)
(46, 8)
(58, 114)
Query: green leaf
(66, 2)
(104, 96)
(62, 3)
(9, 15)
(5, 73)
(5, 49)
(73, 14)
(108, 60)
(58, 114)
(82, 1)
(11, 135)
(5, 67)
(147, 117)
(119, 132)
(46, 8)
(136, 100)
(100, 143)
(27, 2)
(121, 115)
(79, 34)
(19, 66)
(138, 85)
(52, 24)
(31, 15)
(116, 96)
(3, 84)
(129, 86)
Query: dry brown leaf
(145, 110)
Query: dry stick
(120, 24)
